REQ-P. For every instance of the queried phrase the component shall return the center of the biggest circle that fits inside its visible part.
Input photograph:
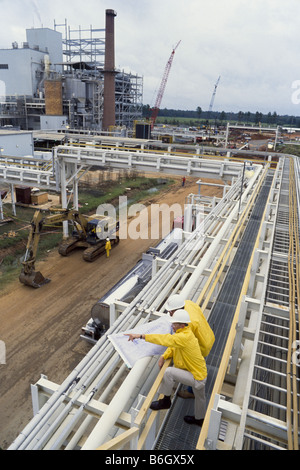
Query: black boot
(193, 420)
(162, 404)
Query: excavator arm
(28, 274)
(89, 233)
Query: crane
(162, 86)
(213, 98)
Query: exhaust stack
(109, 112)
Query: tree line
(271, 118)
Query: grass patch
(291, 149)
(90, 199)
(14, 235)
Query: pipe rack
(85, 412)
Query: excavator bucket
(34, 279)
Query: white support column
(75, 189)
(112, 314)
(227, 134)
(238, 339)
(154, 267)
(64, 202)
(214, 426)
(13, 200)
(1, 209)
(188, 217)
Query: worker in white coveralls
(198, 325)
(189, 365)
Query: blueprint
(131, 351)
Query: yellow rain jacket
(200, 327)
(183, 347)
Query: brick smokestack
(109, 110)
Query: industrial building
(55, 82)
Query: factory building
(53, 82)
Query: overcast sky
(253, 45)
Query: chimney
(109, 111)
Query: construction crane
(162, 87)
(213, 98)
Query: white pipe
(79, 433)
(63, 433)
(194, 279)
(116, 406)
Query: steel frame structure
(84, 413)
(83, 45)
(129, 99)
(183, 270)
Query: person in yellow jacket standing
(198, 325)
(107, 247)
(189, 365)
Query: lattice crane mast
(162, 87)
(213, 98)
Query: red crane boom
(162, 87)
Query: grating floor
(176, 434)
(269, 382)
(278, 282)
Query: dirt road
(41, 327)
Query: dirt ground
(41, 327)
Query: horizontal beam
(93, 407)
(151, 162)
(30, 177)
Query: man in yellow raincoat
(198, 325)
(189, 365)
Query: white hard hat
(175, 302)
(180, 316)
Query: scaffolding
(85, 54)
(81, 45)
(129, 95)
(82, 86)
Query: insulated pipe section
(116, 406)
(187, 290)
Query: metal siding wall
(17, 144)
(50, 39)
(17, 78)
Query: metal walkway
(263, 411)
(275, 381)
(175, 433)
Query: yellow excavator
(89, 232)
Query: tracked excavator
(89, 232)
